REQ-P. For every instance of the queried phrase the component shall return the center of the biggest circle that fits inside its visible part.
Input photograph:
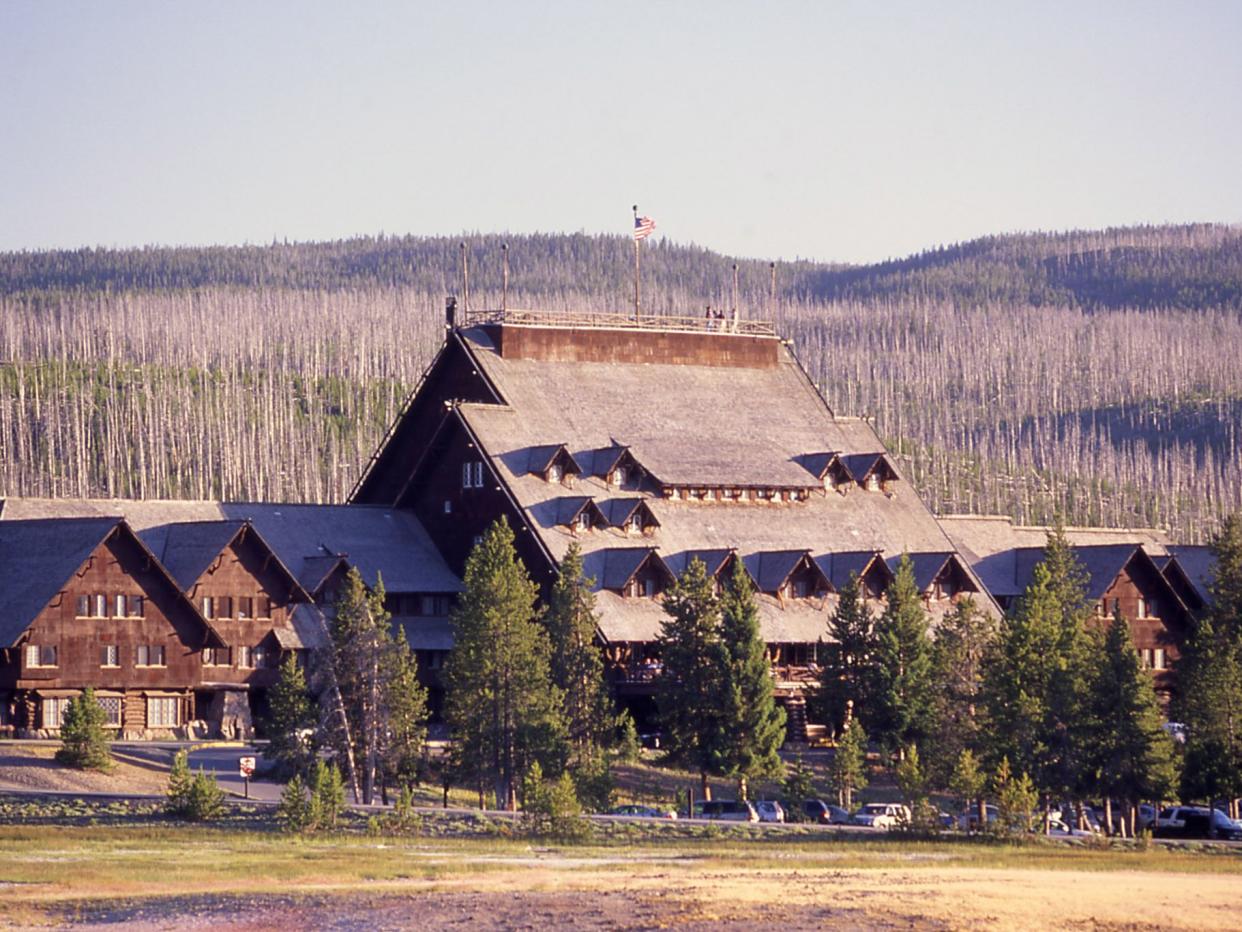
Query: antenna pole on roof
(772, 291)
(637, 270)
(504, 286)
(735, 296)
(465, 281)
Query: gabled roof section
(316, 570)
(716, 561)
(569, 507)
(38, 557)
(1198, 565)
(605, 460)
(187, 550)
(861, 466)
(927, 567)
(540, 459)
(616, 567)
(618, 511)
(825, 465)
(840, 568)
(771, 569)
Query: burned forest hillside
(1095, 375)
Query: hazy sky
(835, 131)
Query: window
(1153, 609)
(208, 606)
(244, 659)
(109, 656)
(554, 473)
(584, 520)
(635, 523)
(40, 655)
(101, 606)
(448, 507)
(216, 656)
(436, 605)
(245, 607)
(163, 712)
(150, 655)
(873, 483)
(467, 476)
(135, 606)
(1158, 661)
(264, 606)
(84, 606)
(224, 606)
(118, 606)
(649, 587)
(478, 475)
(54, 711)
(111, 706)
(619, 475)
(258, 657)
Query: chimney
(450, 312)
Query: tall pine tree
(689, 687)
(901, 707)
(964, 641)
(754, 724)
(502, 705)
(847, 657)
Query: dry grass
(45, 872)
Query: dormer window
(635, 522)
(584, 520)
(873, 483)
(555, 473)
(619, 476)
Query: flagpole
(637, 270)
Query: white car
(882, 815)
(769, 810)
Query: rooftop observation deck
(567, 336)
(578, 320)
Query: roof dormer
(787, 574)
(629, 515)
(579, 514)
(867, 566)
(617, 466)
(635, 572)
(828, 469)
(553, 463)
(872, 471)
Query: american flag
(643, 227)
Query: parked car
(646, 812)
(968, 821)
(769, 810)
(818, 811)
(1057, 826)
(1196, 822)
(727, 810)
(882, 815)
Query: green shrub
(195, 798)
(294, 812)
(328, 790)
(84, 739)
(551, 808)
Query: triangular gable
(770, 570)
(541, 459)
(1198, 565)
(616, 567)
(867, 565)
(39, 557)
(619, 512)
(716, 561)
(192, 547)
(607, 460)
(316, 570)
(570, 507)
(863, 466)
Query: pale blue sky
(834, 131)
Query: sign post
(245, 766)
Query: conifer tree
(689, 687)
(964, 641)
(754, 724)
(84, 740)
(849, 763)
(847, 658)
(576, 665)
(1133, 754)
(501, 702)
(289, 718)
(376, 672)
(900, 711)
(968, 782)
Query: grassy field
(160, 875)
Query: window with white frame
(118, 606)
(554, 473)
(1158, 659)
(109, 656)
(53, 709)
(84, 606)
(163, 711)
(584, 520)
(101, 606)
(135, 606)
(245, 660)
(478, 475)
(258, 657)
(150, 655)
(245, 607)
(208, 605)
(40, 655)
(111, 706)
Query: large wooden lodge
(647, 443)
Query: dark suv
(1196, 822)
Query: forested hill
(1195, 266)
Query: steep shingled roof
(188, 549)
(376, 540)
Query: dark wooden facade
(121, 626)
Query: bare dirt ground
(23, 767)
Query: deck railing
(604, 321)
